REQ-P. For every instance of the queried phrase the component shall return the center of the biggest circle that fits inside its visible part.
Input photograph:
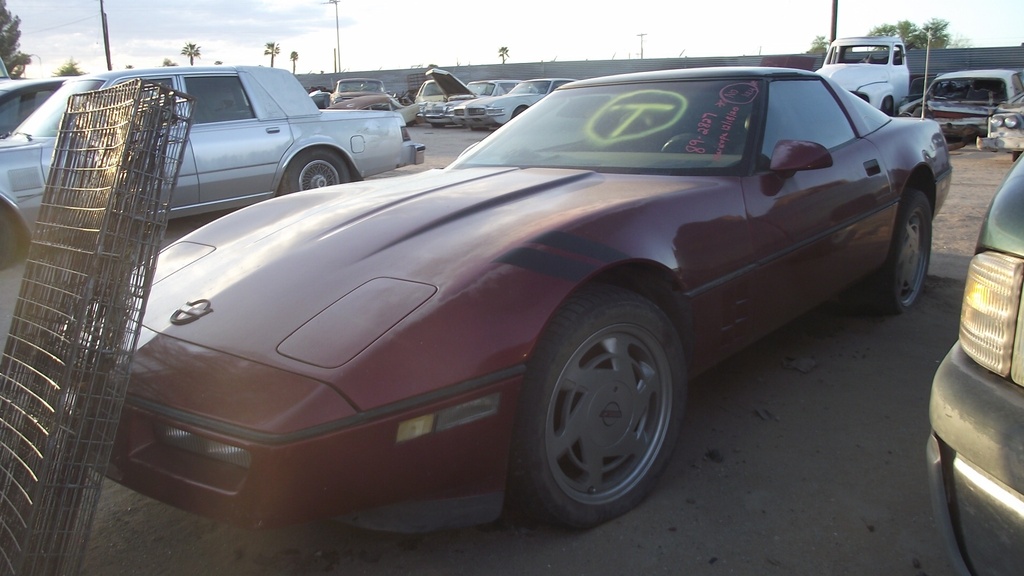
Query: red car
(518, 329)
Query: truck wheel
(1014, 155)
(313, 169)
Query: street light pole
(641, 45)
(337, 37)
(106, 36)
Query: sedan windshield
(658, 128)
(532, 87)
(45, 121)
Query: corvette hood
(267, 270)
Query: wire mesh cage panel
(64, 369)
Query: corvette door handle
(273, 130)
(872, 168)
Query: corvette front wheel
(600, 411)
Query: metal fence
(64, 369)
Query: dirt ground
(803, 455)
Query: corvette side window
(803, 110)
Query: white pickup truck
(256, 134)
(872, 67)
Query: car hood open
(449, 84)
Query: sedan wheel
(601, 409)
(313, 169)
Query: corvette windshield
(657, 128)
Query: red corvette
(518, 329)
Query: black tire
(313, 169)
(888, 107)
(605, 388)
(518, 111)
(12, 245)
(1014, 155)
(898, 284)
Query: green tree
(69, 68)
(503, 53)
(271, 49)
(191, 51)
(819, 45)
(10, 37)
(915, 36)
(294, 57)
(169, 62)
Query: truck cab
(872, 67)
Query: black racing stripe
(547, 264)
(581, 246)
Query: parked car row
(442, 91)
(256, 134)
(444, 100)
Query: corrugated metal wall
(939, 61)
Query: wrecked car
(962, 102)
(351, 87)
(1006, 129)
(378, 102)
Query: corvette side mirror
(791, 156)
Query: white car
(443, 91)
(495, 111)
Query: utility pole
(835, 20)
(106, 36)
(337, 37)
(641, 45)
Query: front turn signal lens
(991, 309)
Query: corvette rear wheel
(898, 284)
(600, 412)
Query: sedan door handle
(872, 168)
(273, 130)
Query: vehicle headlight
(995, 122)
(363, 315)
(1013, 121)
(991, 312)
(494, 110)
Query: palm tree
(503, 53)
(192, 52)
(271, 49)
(294, 57)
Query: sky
(403, 34)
